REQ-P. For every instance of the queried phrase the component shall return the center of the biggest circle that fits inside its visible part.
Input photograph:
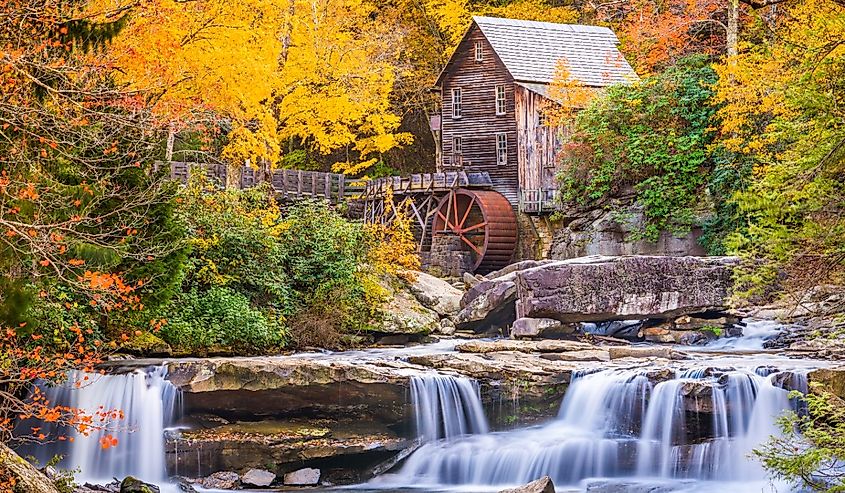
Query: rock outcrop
(596, 289)
(436, 294)
(599, 289)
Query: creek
(656, 427)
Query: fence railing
(539, 200)
(290, 184)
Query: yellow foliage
(570, 96)
(316, 72)
(393, 249)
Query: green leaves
(654, 136)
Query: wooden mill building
(494, 89)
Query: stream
(688, 427)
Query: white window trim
(457, 145)
(479, 51)
(503, 101)
(501, 158)
(457, 102)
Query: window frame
(503, 101)
(457, 150)
(501, 150)
(457, 102)
(479, 51)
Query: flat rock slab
(595, 289)
(543, 346)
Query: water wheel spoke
(445, 220)
(473, 228)
(466, 213)
(455, 201)
(471, 245)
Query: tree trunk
(171, 139)
(733, 28)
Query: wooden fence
(289, 184)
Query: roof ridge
(551, 25)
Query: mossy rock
(147, 344)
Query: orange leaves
(76, 262)
(107, 442)
(44, 263)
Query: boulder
(540, 327)
(303, 477)
(436, 294)
(258, 477)
(542, 485)
(403, 314)
(222, 480)
(488, 305)
(471, 280)
(595, 289)
(28, 478)
(134, 485)
(447, 327)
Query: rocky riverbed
(518, 338)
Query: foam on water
(622, 424)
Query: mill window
(501, 149)
(500, 100)
(479, 51)
(457, 102)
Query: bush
(655, 136)
(809, 452)
(221, 318)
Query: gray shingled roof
(531, 51)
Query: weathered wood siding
(538, 144)
(479, 122)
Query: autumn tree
(781, 111)
(86, 238)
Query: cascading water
(149, 402)
(446, 407)
(699, 424)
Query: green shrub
(221, 318)
(655, 136)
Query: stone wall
(608, 232)
(448, 257)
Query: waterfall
(149, 402)
(446, 407)
(698, 424)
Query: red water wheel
(484, 221)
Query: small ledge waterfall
(150, 404)
(698, 424)
(446, 407)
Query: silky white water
(149, 403)
(700, 424)
(446, 407)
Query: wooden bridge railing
(333, 187)
(290, 184)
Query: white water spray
(149, 402)
(446, 407)
(698, 424)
